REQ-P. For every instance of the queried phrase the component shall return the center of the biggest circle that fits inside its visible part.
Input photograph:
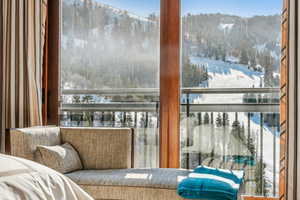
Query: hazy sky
(235, 7)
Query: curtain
(22, 38)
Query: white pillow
(62, 158)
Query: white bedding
(22, 179)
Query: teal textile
(235, 175)
(211, 184)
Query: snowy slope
(226, 75)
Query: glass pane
(230, 96)
(110, 69)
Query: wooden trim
(7, 141)
(284, 100)
(170, 84)
(53, 77)
(2, 135)
(45, 76)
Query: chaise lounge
(107, 158)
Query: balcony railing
(253, 132)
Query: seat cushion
(150, 178)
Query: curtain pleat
(23, 33)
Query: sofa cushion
(150, 178)
(62, 158)
(23, 142)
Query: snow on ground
(76, 42)
(225, 27)
(226, 75)
(260, 47)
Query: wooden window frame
(51, 65)
(170, 84)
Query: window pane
(227, 45)
(110, 69)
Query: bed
(22, 179)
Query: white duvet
(22, 179)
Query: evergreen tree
(191, 74)
(206, 118)
(267, 62)
(251, 146)
(219, 120)
(76, 99)
(236, 129)
(260, 179)
(226, 119)
(244, 57)
(87, 99)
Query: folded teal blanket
(235, 175)
(211, 184)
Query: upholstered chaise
(106, 155)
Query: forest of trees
(253, 42)
(100, 43)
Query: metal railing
(125, 113)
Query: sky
(245, 8)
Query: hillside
(101, 42)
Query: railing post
(274, 155)
(261, 153)
(187, 129)
(135, 119)
(199, 124)
(113, 119)
(147, 120)
(102, 118)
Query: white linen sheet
(22, 179)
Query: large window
(230, 59)
(230, 72)
(110, 69)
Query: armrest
(101, 148)
(23, 142)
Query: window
(110, 69)
(230, 101)
(230, 58)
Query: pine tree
(76, 99)
(219, 120)
(260, 179)
(251, 146)
(87, 99)
(206, 118)
(244, 57)
(236, 129)
(226, 119)
(267, 62)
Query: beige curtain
(293, 148)
(22, 38)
